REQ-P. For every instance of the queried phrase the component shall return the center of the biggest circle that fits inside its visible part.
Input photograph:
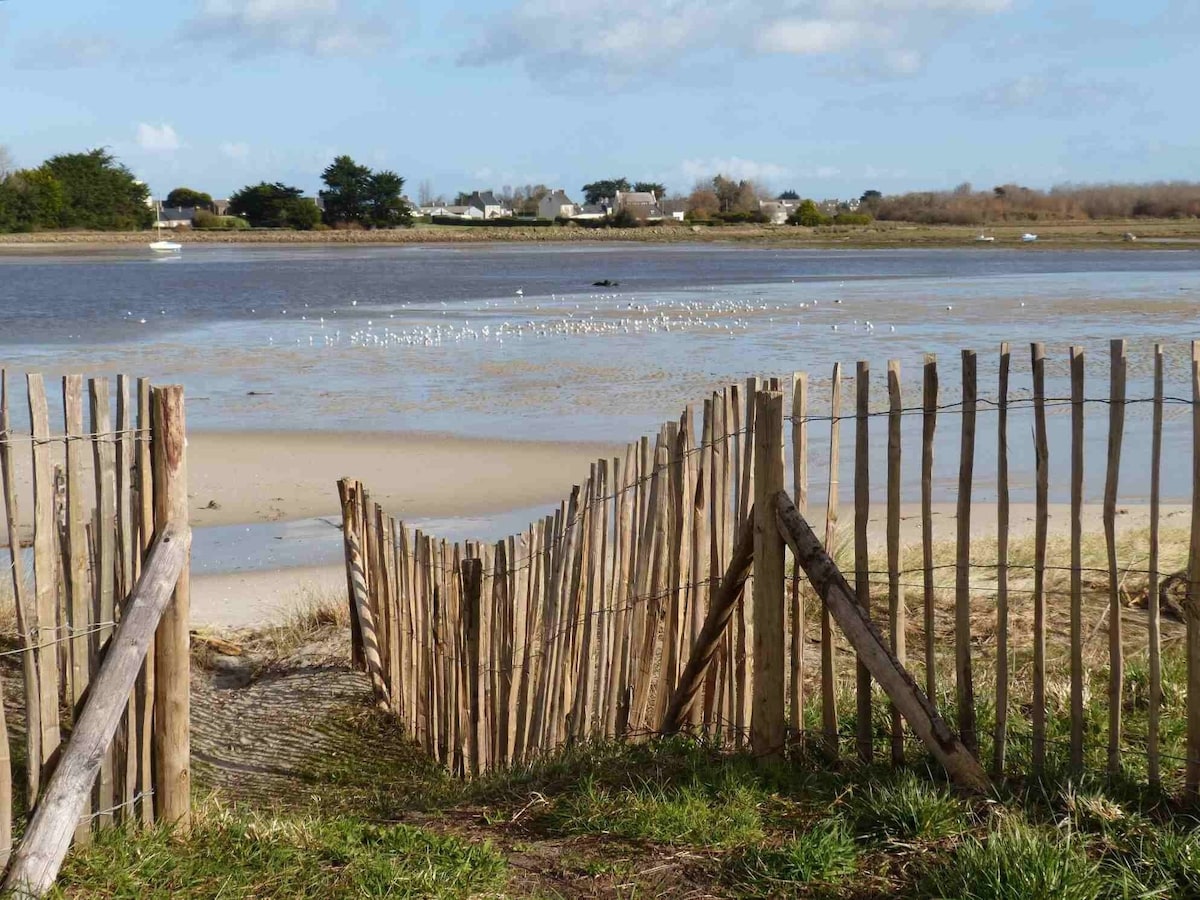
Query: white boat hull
(166, 247)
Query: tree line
(354, 197)
(88, 190)
(964, 205)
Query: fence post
(172, 688)
(1192, 606)
(767, 718)
(472, 583)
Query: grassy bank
(304, 790)
(1109, 235)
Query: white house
(488, 205)
(464, 212)
(175, 217)
(777, 211)
(557, 205)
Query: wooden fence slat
(472, 577)
(1192, 771)
(126, 742)
(79, 587)
(45, 568)
(829, 715)
(768, 689)
(1041, 517)
(104, 467)
(929, 411)
(26, 608)
(1000, 741)
(862, 564)
(743, 620)
(962, 580)
(1116, 659)
(1076, 634)
(800, 498)
(1152, 602)
(897, 617)
(144, 689)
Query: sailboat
(161, 246)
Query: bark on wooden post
(472, 586)
(767, 731)
(172, 663)
(871, 648)
(41, 852)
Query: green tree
(870, 199)
(809, 215)
(600, 190)
(386, 206)
(98, 192)
(651, 187)
(275, 205)
(184, 196)
(29, 200)
(347, 194)
(788, 195)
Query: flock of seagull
(552, 317)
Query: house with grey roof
(175, 217)
(488, 204)
(642, 204)
(557, 205)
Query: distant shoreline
(1151, 234)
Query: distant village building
(557, 205)
(777, 211)
(674, 209)
(590, 212)
(642, 204)
(465, 212)
(175, 216)
(488, 204)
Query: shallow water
(438, 339)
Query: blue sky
(830, 97)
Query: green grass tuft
(724, 814)
(825, 853)
(904, 807)
(1018, 862)
(233, 856)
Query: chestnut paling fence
(96, 525)
(600, 620)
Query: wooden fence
(96, 494)
(581, 627)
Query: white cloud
(619, 37)
(316, 27)
(732, 167)
(235, 150)
(810, 36)
(157, 138)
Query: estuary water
(517, 341)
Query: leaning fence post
(172, 687)
(767, 719)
